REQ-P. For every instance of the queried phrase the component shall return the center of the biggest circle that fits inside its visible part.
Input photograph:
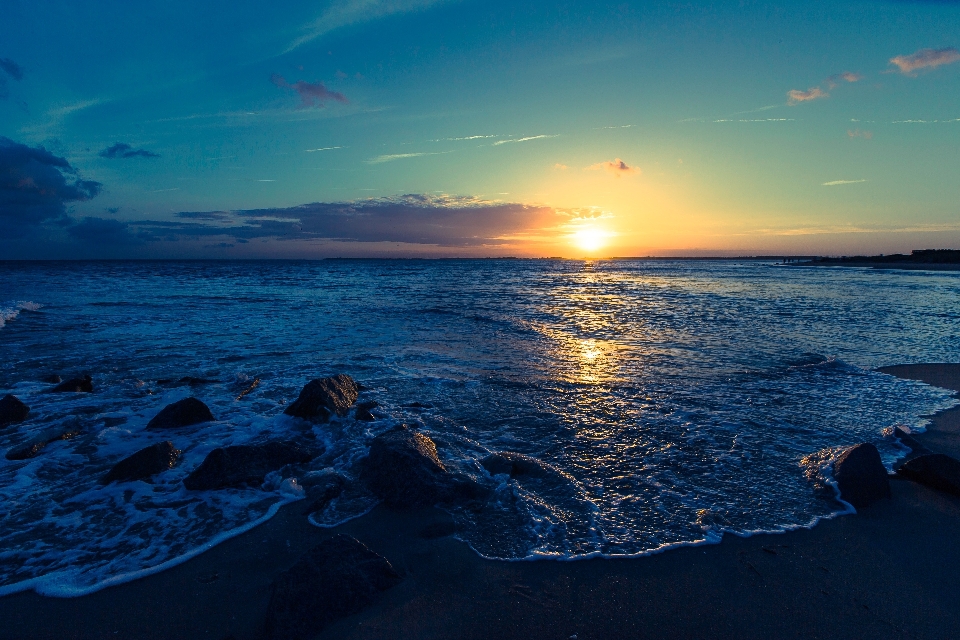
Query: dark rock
(12, 410)
(936, 470)
(35, 446)
(244, 465)
(320, 398)
(75, 385)
(182, 413)
(322, 491)
(861, 476)
(52, 379)
(404, 470)
(249, 388)
(363, 411)
(144, 463)
(516, 464)
(337, 578)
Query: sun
(590, 239)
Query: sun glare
(590, 239)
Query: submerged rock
(516, 464)
(35, 446)
(321, 490)
(83, 384)
(335, 579)
(325, 396)
(363, 411)
(182, 413)
(861, 476)
(53, 378)
(12, 410)
(404, 470)
(244, 465)
(936, 470)
(144, 463)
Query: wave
(8, 314)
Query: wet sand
(891, 571)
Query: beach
(890, 571)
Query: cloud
(814, 93)
(846, 76)
(449, 221)
(401, 156)
(857, 133)
(347, 12)
(35, 187)
(311, 94)
(123, 150)
(499, 142)
(616, 166)
(12, 69)
(834, 183)
(925, 59)
(102, 231)
(561, 167)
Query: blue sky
(430, 127)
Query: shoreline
(887, 572)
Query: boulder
(144, 463)
(35, 446)
(861, 476)
(244, 465)
(182, 413)
(320, 398)
(403, 469)
(322, 490)
(52, 378)
(516, 464)
(363, 411)
(83, 384)
(12, 410)
(337, 578)
(936, 470)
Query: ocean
(674, 401)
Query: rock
(516, 464)
(404, 470)
(182, 413)
(322, 491)
(75, 385)
(35, 446)
(53, 378)
(861, 476)
(320, 398)
(144, 463)
(936, 470)
(335, 579)
(244, 465)
(190, 380)
(363, 411)
(12, 410)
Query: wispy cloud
(846, 76)
(464, 138)
(124, 150)
(617, 167)
(312, 94)
(347, 12)
(757, 120)
(925, 59)
(9, 68)
(322, 149)
(528, 138)
(561, 167)
(401, 156)
(814, 93)
(834, 183)
(858, 133)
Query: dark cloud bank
(38, 189)
(124, 150)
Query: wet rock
(249, 388)
(363, 411)
(35, 446)
(144, 463)
(182, 413)
(403, 469)
(83, 384)
(325, 396)
(516, 464)
(861, 476)
(12, 410)
(244, 465)
(322, 490)
(936, 470)
(337, 578)
(53, 378)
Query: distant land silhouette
(942, 259)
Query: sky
(440, 128)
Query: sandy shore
(891, 571)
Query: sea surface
(674, 401)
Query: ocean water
(674, 401)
